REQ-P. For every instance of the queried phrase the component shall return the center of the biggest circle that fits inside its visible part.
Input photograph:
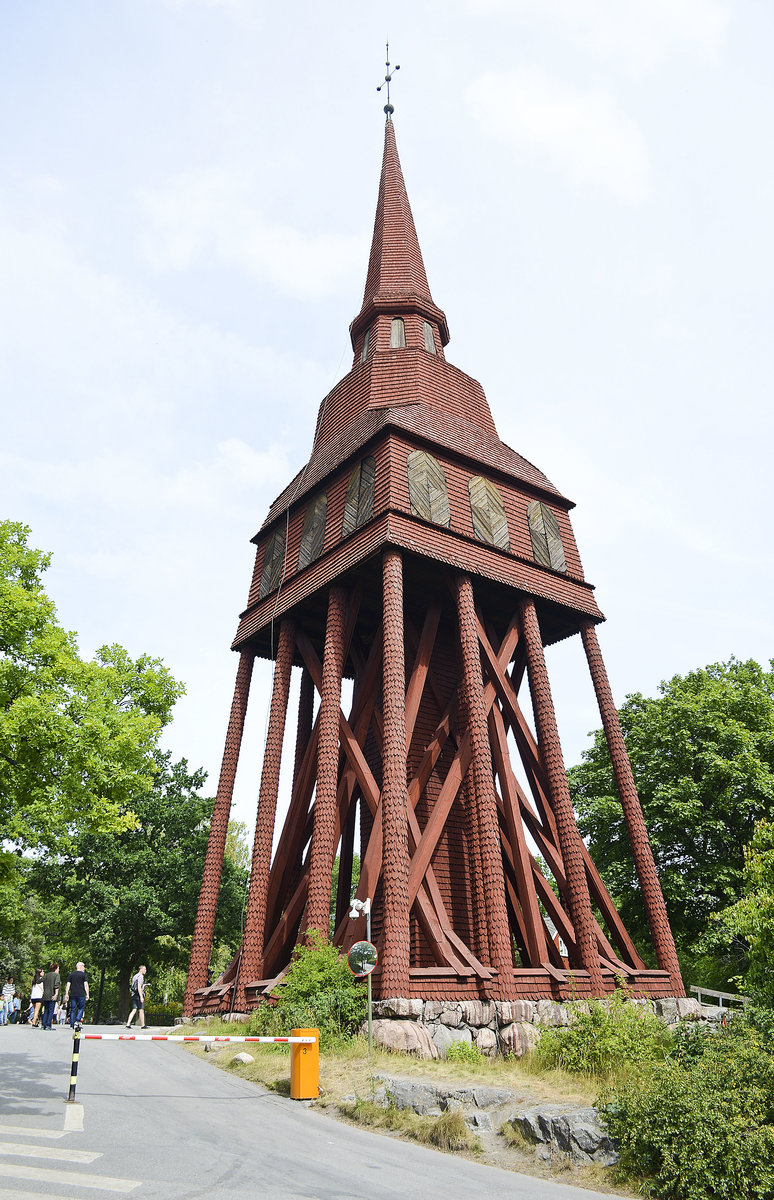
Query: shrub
(463, 1052)
(318, 991)
(606, 1039)
(698, 1126)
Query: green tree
(751, 919)
(76, 737)
(135, 892)
(703, 759)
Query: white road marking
(56, 1152)
(108, 1183)
(22, 1131)
(73, 1121)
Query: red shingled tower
(421, 557)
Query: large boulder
(486, 1041)
(406, 1037)
(443, 1037)
(478, 1012)
(399, 1006)
(576, 1132)
(509, 1011)
(519, 1038)
(551, 1013)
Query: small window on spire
(397, 334)
(366, 340)
(429, 339)
(546, 537)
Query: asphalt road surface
(153, 1121)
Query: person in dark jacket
(51, 986)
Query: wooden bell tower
(421, 557)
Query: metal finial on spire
(388, 108)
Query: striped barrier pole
(304, 1053)
(74, 1064)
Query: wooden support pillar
(567, 830)
(255, 918)
(396, 945)
(481, 782)
(653, 898)
(323, 848)
(201, 943)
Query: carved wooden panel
(273, 562)
(488, 512)
(359, 500)
(313, 532)
(428, 496)
(546, 538)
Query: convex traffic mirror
(362, 958)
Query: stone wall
(429, 1027)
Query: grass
(350, 1069)
(446, 1132)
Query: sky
(187, 193)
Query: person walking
(51, 985)
(138, 997)
(36, 996)
(76, 994)
(7, 1000)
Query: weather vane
(388, 108)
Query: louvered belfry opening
(423, 559)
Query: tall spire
(396, 279)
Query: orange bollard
(305, 1066)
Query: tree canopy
(702, 753)
(134, 893)
(77, 738)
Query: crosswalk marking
(21, 1131)
(108, 1183)
(73, 1119)
(22, 1150)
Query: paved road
(154, 1121)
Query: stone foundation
(511, 1027)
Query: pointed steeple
(396, 280)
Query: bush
(318, 991)
(698, 1126)
(606, 1039)
(463, 1052)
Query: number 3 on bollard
(305, 1066)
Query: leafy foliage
(76, 738)
(698, 1126)
(134, 893)
(464, 1052)
(317, 992)
(703, 758)
(752, 917)
(607, 1039)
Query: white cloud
(584, 135)
(215, 215)
(634, 36)
(75, 338)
